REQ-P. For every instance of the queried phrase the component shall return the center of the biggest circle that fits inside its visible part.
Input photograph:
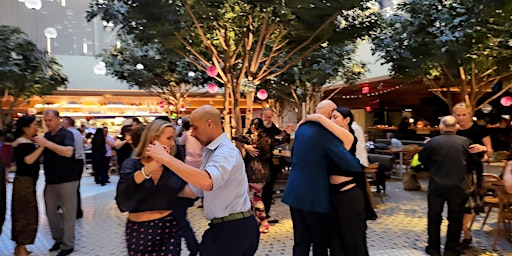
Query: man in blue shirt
(307, 189)
(222, 181)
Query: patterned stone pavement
(399, 230)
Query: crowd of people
(164, 168)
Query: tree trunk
(249, 98)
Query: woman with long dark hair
(99, 160)
(24, 211)
(348, 229)
(257, 168)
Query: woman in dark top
(148, 191)
(24, 211)
(482, 148)
(348, 229)
(99, 160)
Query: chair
(371, 180)
(384, 169)
(491, 184)
(504, 215)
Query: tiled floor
(399, 230)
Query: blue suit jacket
(308, 183)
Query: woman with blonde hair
(148, 191)
(482, 148)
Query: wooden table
(282, 152)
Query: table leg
(401, 174)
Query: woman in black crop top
(149, 191)
(348, 229)
(24, 213)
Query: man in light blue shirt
(223, 183)
(394, 142)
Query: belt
(233, 216)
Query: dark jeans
(309, 228)
(437, 196)
(233, 238)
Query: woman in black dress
(24, 211)
(257, 168)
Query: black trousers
(233, 238)
(185, 230)
(79, 169)
(309, 228)
(437, 196)
(268, 188)
(3, 195)
(347, 227)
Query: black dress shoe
(55, 247)
(65, 252)
(79, 214)
(431, 251)
(273, 221)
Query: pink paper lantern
(506, 101)
(262, 94)
(212, 71)
(212, 88)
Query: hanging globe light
(506, 101)
(50, 32)
(262, 94)
(486, 108)
(33, 4)
(100, 69)
(212, 71)
(139, 66)
(212, 88)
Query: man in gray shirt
(69, 123)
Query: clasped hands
(157, 152)
(40, 141)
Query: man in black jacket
(448, 160)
